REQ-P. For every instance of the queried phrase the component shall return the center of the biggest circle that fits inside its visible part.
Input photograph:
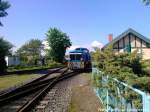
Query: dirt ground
(83, 98)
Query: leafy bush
(3, 66)
(19, 67)
(126, 67)
(5, 49)
(146, 67)
(142, 83)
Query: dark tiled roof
(130, 30)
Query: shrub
(126, 67)
(142, 83)
(3, 66)
(5, 49)
(146, 67)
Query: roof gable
(130, 30)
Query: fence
(118, 96)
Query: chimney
(110, 37)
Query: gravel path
(60, 97)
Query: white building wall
(12, 60)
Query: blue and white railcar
(79, 59)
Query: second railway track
(29, 84)
(27, 98)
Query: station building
(130, 40)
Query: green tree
(58, 42)
(5, 49)
(147, 2)
(4, 5)
(30, 51)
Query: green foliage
(142, 83)
(96, 81)
(30, 52)
(95, 56)
(138, 104)
(5, 49)
(127, 68)
(146, 67)
(147, 2)
(4, 5)
(118, 65)
(20, 68)
(3, 66)
(58, 42)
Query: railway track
(24, 86)
(26, 98)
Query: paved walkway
(83, 98)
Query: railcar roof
(82, 49)
(76, 51)
(79, 50)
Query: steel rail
(30, 104)
(34, 82)
(22, 92)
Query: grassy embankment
(12, 80)
(7, 81)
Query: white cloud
(73, 47)
(88, 46)
(96, 44)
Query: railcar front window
(75, 56)
(78, 57)
(72, 57)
